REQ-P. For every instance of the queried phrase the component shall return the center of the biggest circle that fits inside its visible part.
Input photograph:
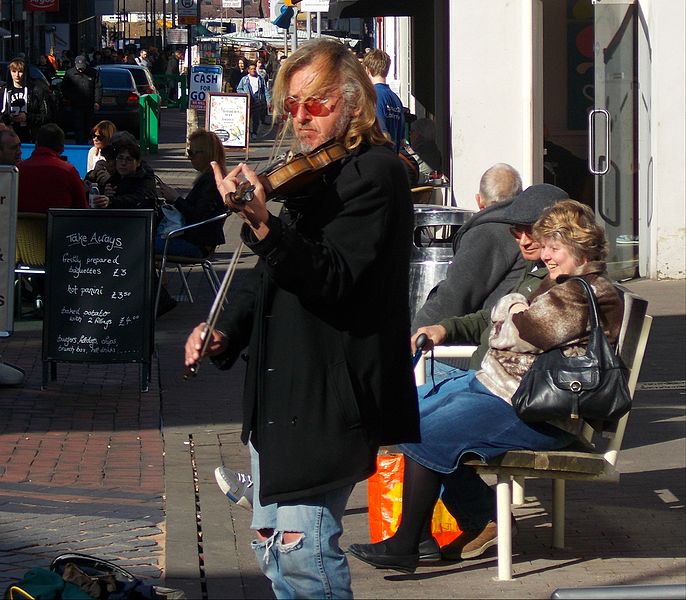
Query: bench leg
(558, 513)
(503, 498)
(518, 491)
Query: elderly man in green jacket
(522, 212)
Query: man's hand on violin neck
(250, 202)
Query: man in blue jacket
(260, 97)
(389, 108)
(325, 319)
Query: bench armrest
(441, 352)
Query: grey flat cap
(527, 207)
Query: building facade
(587, 94)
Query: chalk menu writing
(98, 296)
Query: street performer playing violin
(325, 319)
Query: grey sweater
(487, 264)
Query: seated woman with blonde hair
(471, 414)
(201, 203)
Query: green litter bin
(149, 122)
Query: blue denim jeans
(313, 566)
(442, 371)
(460, 417)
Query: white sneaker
(236, 486)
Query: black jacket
(326, 316)
(134, 191)
(99, 175)
(172, 67)
(203, 201)
(82, 88)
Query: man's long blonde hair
(337, 66)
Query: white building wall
(493, 92)
(666, 21)
(496, 113)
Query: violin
(291, 176)
(283, 179)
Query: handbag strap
(592, 303)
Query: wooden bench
(598, 463)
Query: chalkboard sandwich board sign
(98, 304)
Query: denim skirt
(459, 417)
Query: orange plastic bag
(385, 493)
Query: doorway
(591, 143)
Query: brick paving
(93, 465)
(81, 467)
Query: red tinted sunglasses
(312, 104)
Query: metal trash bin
(435, 228)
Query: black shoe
(429, 549)
(377, 556)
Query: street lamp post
(164, 24)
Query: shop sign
(187, 11)
(42, 5)
(204, 79)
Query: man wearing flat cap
(518, 217)
(487, 262)
(82, 90)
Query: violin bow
(215, 310)
(242, 195)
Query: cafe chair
(180, 262)
(30, 253)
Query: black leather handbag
(593, 386)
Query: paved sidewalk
(93, 465)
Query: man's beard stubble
(342, 124)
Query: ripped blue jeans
(314, 566)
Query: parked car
(144, 82)
(120, 99)
(141, 75)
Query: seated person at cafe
(423, 149)
(487, 262)
(10, 146)
(203, 201)
(103, 170)
(131, 186)
(45, 179)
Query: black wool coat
(326, 320)
(203, 202)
